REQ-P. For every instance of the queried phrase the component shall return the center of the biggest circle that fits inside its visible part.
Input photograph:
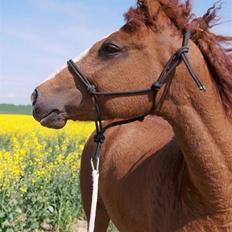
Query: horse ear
(150, 7)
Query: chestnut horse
(133, 58)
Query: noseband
(173, 62)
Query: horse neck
(202, 129)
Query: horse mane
(215, 48)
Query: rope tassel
(95, 177)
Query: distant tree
(15, 109)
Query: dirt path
(80, 226)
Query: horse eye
(109, 49)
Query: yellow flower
(23, 189)
(31, 152)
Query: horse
(128, 168)
(132, 58)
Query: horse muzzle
(47, 114)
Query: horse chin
(55, 120)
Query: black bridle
(173, 62)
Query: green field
(15, 109)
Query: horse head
(130, 58)
(127, 59)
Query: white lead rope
(95, 176)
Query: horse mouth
(55, 119)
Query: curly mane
(217, 56)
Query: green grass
(55, 204)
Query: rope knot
(91, 89)
(99, 138)
(180, 52)
(156, 86)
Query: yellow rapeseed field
(39, 173)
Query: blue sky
(38, 36)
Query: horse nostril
(34, 96)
